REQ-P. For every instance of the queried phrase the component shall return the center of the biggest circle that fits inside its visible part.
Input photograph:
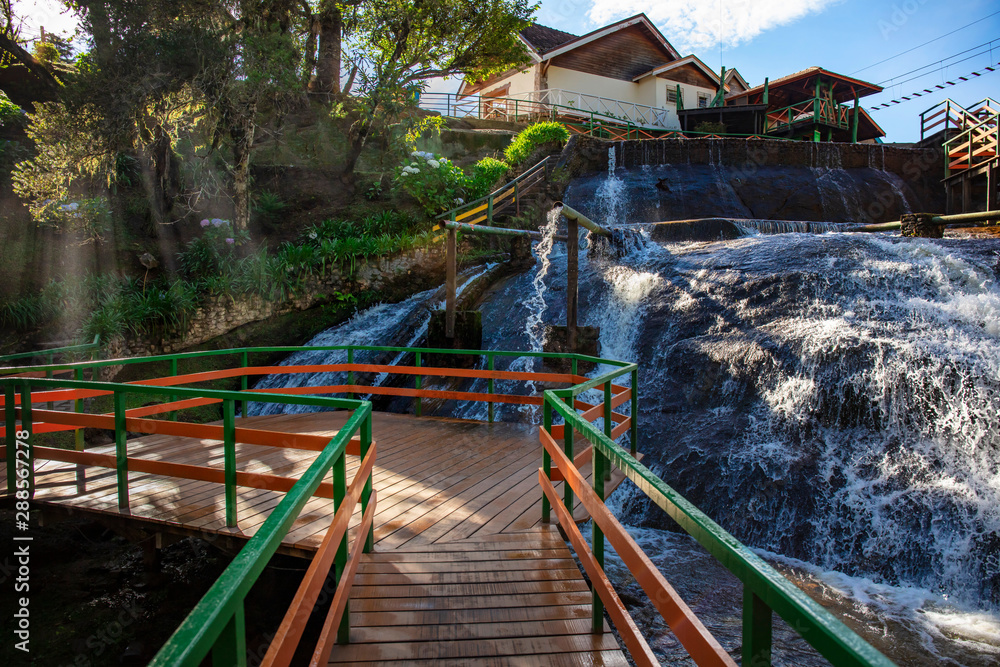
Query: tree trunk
(328, 66)
(242, 133)
(310, 52)
(353, 153)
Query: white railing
(639, 114)
(542, 102)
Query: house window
(671, 94)
(703, 100)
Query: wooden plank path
(463, 571)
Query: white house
(627, 70)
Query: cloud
(703, 24)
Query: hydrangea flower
(459, 201)
(433, 164)
(218, 222)
(230, 241)
(205, 223)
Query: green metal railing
(579, 121)
(765, 590)
(508, 194)
(953, 116)
(93, 348)
(216, 624)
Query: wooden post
(854, 125)
(572, 278)
(966, 192)
(765, 91)
(450, 278)
(992, 187)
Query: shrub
(210, 254)
(540, 133)
(433, 181)
(46, 53)
(9, 112)
(710, 127)
(484, 175)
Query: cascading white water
(611, 197)
(402, 324)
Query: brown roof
(543, 38)
(799, 83)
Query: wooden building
(627, 69)
(813, 105)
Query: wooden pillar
(993, 188)
(572, 279)
(450, 280)
(966, 193)
(854, 125)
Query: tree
(399, 45)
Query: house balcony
(808, 114)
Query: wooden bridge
(440, 537)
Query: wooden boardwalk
(463, 570)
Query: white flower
(312, 235)
(405, 173)
(413, 164)
(459, 201)
(433, 164)
(415, 154)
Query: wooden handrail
(339, 604)
(629, 631)
(286, 639)
(696, 639)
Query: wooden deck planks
(463, 571)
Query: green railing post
(546, 457)
(756, 630)
(48, 374)
(608, 423)
(489, 210)
(78, 408)
(10, 436)
(417, 385)
(350, 373)
(633, 430)
(28, 427)
(597, 535)
(229, 458)
(340, 558)
(366, 493)
(230, 649)
(489, 384)
(244, 385)
(568, 450)
(172, 415)
(121, 454)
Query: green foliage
(9, 112)
(540, 133)
(485, 174)
(433, 181)
(269, 205)
(209, 255)
(46, 53)
(710, 127)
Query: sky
(772, 38)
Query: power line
(920, 76)
(937, 87)
(903, 53)
(939, 62)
